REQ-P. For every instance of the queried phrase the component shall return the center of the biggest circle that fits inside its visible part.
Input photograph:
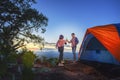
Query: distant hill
(53, 45)
(47, 43)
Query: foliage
(50, 62)
(12, 58)
(28, 59)
(27, 74)
(3, 69)
(44, 59)
(5, 62)
(38, 61)
(17, 22)
(42, 70)
(53, 61)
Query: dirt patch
(82, 70)
(71, 71)
(109, 70)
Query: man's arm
(68, 41)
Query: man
(74, 41)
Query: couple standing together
(60, 45)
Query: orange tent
(107, 37)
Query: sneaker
(60, 64)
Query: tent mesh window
(98, 51)
(94, 44)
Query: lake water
(53, 53)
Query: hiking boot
(60, 64)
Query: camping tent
(101, 44)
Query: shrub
(28, 59)
(27, 74)
(53, 61)
(12, 58)
(3, 69)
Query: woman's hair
(72, 33)
(61, 37)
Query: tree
(17, 22)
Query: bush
(27, 74)
(12, 58)
(4, 65)
(28, 59)
(3, 69)
(49, 62)
(53, 61)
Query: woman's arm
(68, 41)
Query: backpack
(76, 41)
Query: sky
(75, 16)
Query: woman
(60, 45)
